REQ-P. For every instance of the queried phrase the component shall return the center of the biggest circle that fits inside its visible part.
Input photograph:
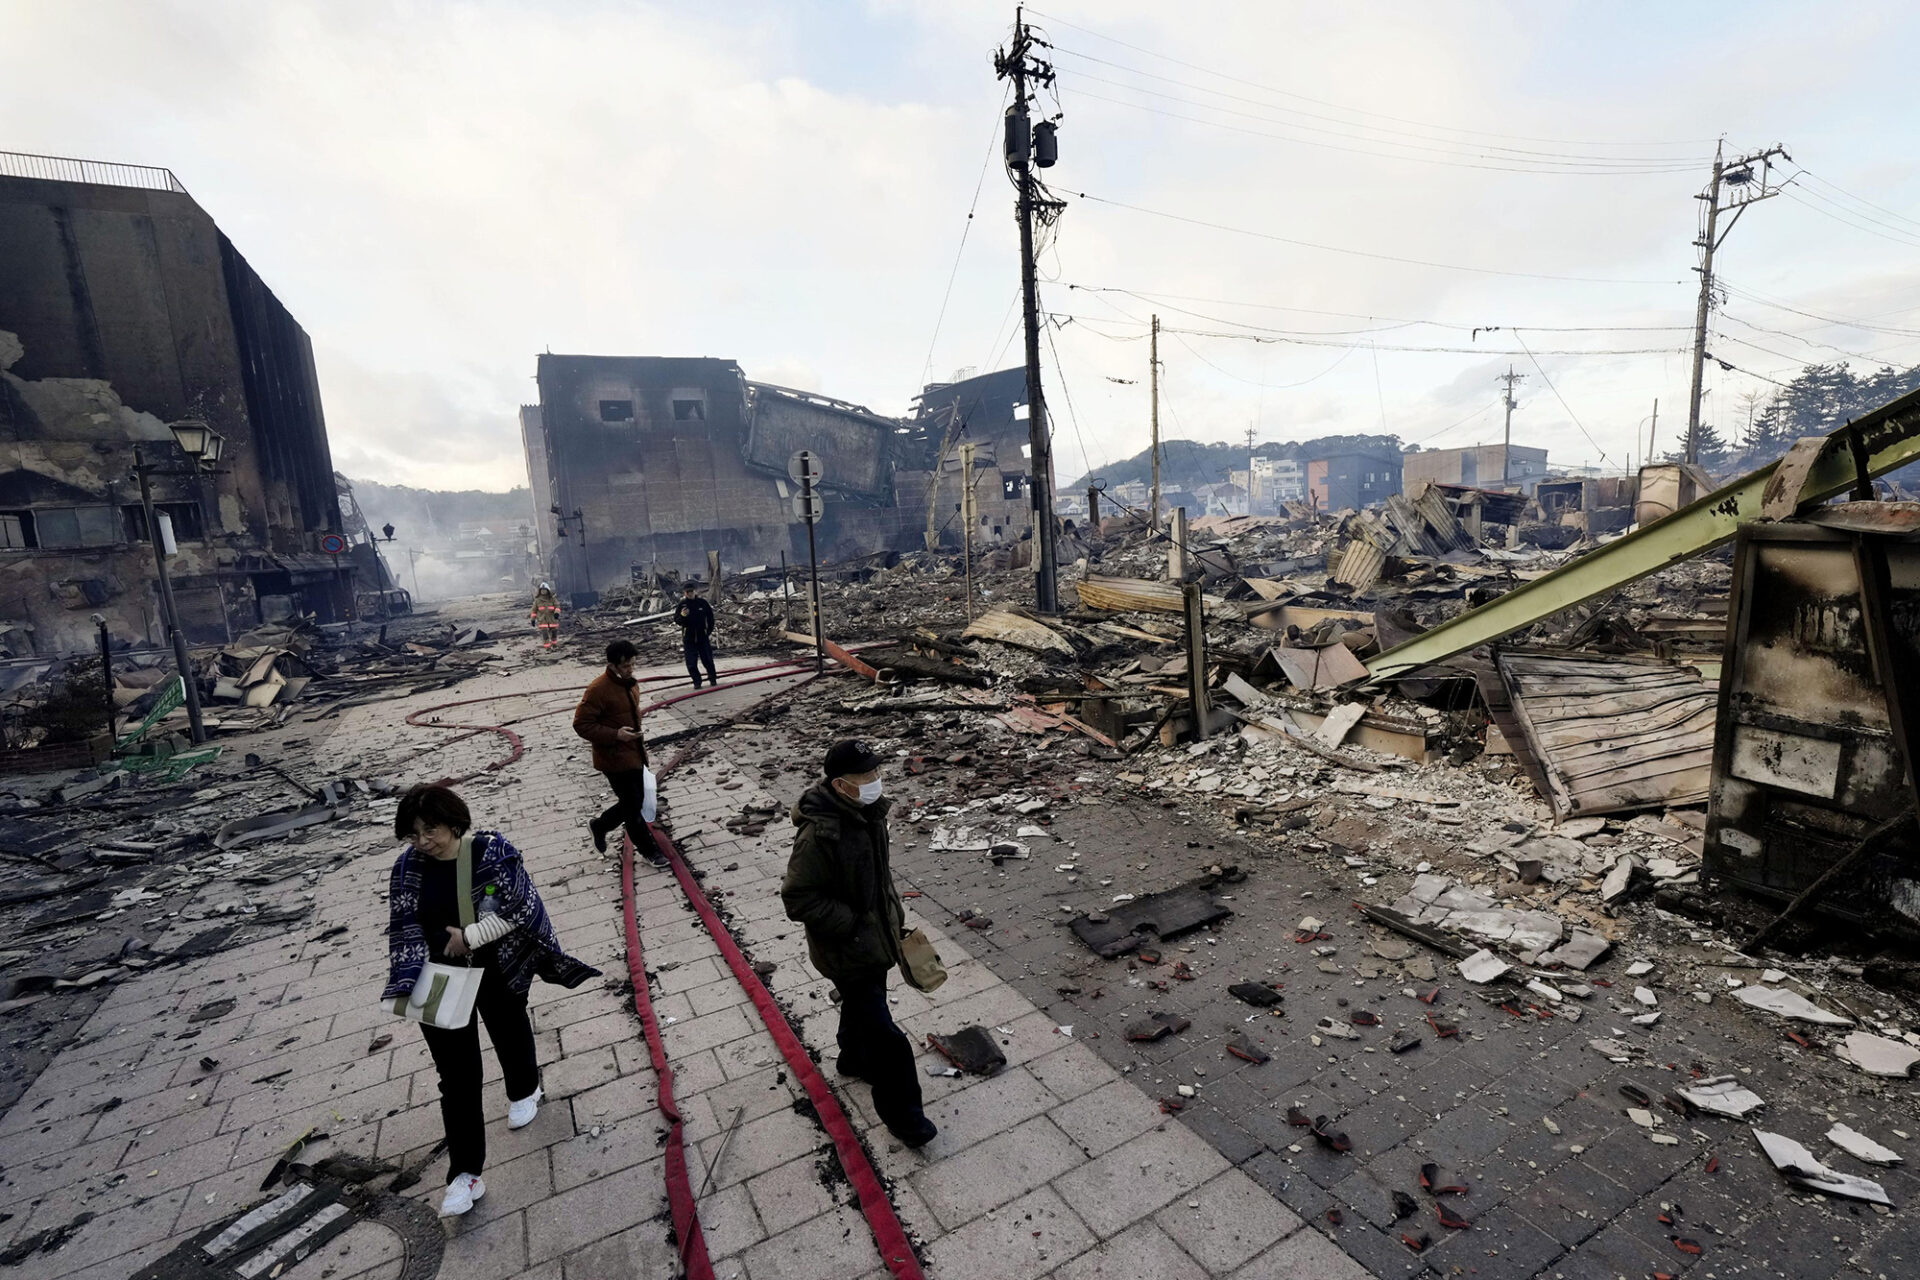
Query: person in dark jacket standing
(695, 617)
(839, 884)
(609, 717)
(510, 937)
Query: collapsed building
(124, 308)
(646, 465)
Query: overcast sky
(439, 191)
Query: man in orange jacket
(609, 717)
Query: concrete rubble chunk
(1619, 877)
(1860, 1146)
(1723, 1096)
(1483, 966)
(1580, 950)
(1877, 1055)
(1804, 1170)
(1789, 1004)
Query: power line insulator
(1019, 139)
(1046, 144)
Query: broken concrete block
(1645, 997)
(1723, 1096)
(1338, 1030)
(1156, 1026)
(1860, 1146)
(1483, 966)
(1804, 1170)
(1789, 1004)
(1578, 951)
(1877, 1055)
(971, 1049)
(1619, 877)
(1256, 994)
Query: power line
(966, 229)
(1397, 322)
(1365, 253)
(1264, 386)
(1828, 210)
(1060, 372)
(1517, 154)
(1835, 187)
(1840, 321)
(1310, 342)
(1319, 102)
(1569, 168)
(1562, 399)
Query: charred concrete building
(643, 464)
(123, 307)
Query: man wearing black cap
(695, 617)
(839, 884)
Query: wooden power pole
(1153, 367)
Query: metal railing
(15, 164)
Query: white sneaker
(520, 1114)
(461, 1193)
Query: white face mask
(870, 791)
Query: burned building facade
(123, 307)
(643, 464)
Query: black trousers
(630, 788)
(697, 652)
(876, 1050)
(456, 1055)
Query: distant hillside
(1186, 463)
(426, 515)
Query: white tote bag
(442, 996)
(649, 799)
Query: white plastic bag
(648, 801)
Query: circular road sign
(809, 507)
(803, 468)
(333, 544)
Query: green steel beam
(1887, 438)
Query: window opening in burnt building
(188, 526)
(16, 531)
(689, 405)
(616, 411)
(61, 527)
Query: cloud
(439, 192)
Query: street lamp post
(191, 686)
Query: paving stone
(643, 1250)
(603, 1207)
(486, 1249)
(1138, 1177)
(1226, 1222)
(1142, 1252)
(1101, 1120)
(1302, 1254)
(1030, 1237)
(830, 1247)
(961, 1187)
(790, 1194)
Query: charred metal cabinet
(1816, 709)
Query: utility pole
(1030, 146)
(967, 518)
(1653, 427)
(1748, 187)
(189, 681)
(1153, 366)
(1506, 450)
(1249, 468)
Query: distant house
(1345, 481)
(1481, 466)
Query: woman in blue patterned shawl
(510, 937)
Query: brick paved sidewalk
(1056, 1166)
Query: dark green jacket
(839, 884)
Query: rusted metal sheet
(1814, 744)
(1121, 594)
(1611, 734)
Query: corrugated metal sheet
(1121, 594)
(1611, 734)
